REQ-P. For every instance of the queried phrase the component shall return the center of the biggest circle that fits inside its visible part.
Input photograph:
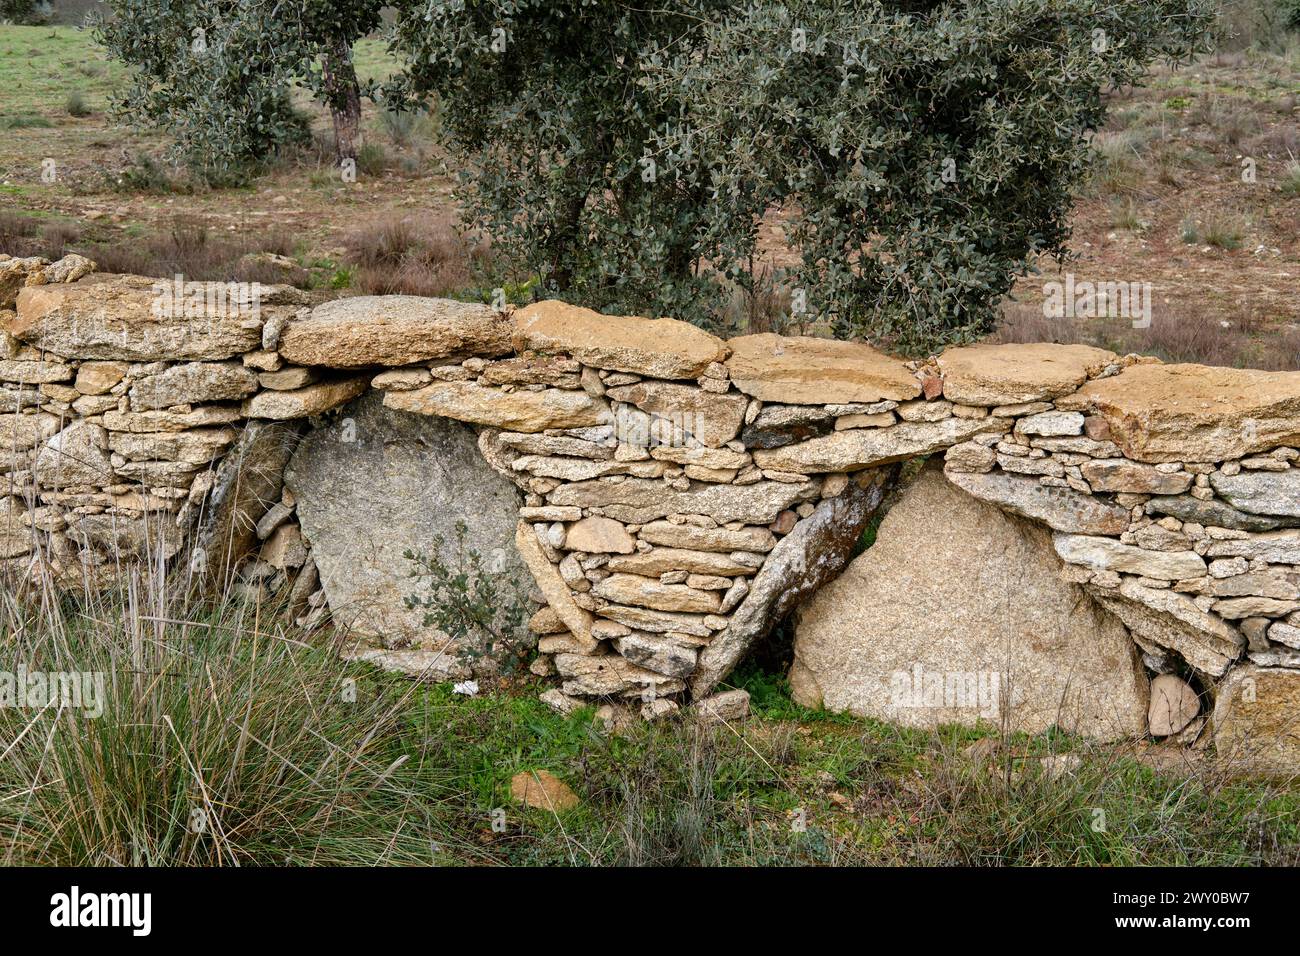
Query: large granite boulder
(1257, 721)
(965, 617)
(376, 483)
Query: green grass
(289, 756)
(40, 66)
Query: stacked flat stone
(680, 492)
(116, 420)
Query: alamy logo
(74, 908)
(1094, 300)
(179, 299)
(959, 690)
(63, 690)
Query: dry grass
(223, 739)
(1200, 335)
(189, 248)
(398, 254)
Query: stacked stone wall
(677, 494)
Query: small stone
(1174, 705)
(970, 457)
(597, 535)
(97, 378)
(784, 523)
(275, 516)
(542, 790)
(1051, 424)
(1227, 567)
(921, 410)
(882, 420)
(304, 402)
(1288, 634)
(727, 705)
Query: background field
(1167, 204)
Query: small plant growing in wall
(483, 610)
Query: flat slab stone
(117, 317)
(1164, 618)
(710, 418)
(1271, 493)
(520, 411)
(552, 586)
(303, 402)
(639, 500)
(1212, 513)
(1277, 547)
(865, 447)
(813, 371)
(1061, 509)
(659, 348)
(1117, 474)
(648, 592)
(962, 620)
(778, 425)
(1013, 374)
(1106, 554)
(1194, 412)
(193, 383)
(393, 330)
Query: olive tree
(923, 152)
(552, 134)
(219, 74)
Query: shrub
(397, 256)
(34, 12)
(924, 152)
(1291, 179)
(76, 105)
(218, 76)
(929, 153)
(550, 130)
(483, 610)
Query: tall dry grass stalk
(224, 739)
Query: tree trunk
(565, 234)
(343, 97)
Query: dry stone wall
(674, 494)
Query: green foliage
(25, 11)
(927, 149)
(922, 151)
(541, 107)
(217, 74)
(76, 105)
(482, 610)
